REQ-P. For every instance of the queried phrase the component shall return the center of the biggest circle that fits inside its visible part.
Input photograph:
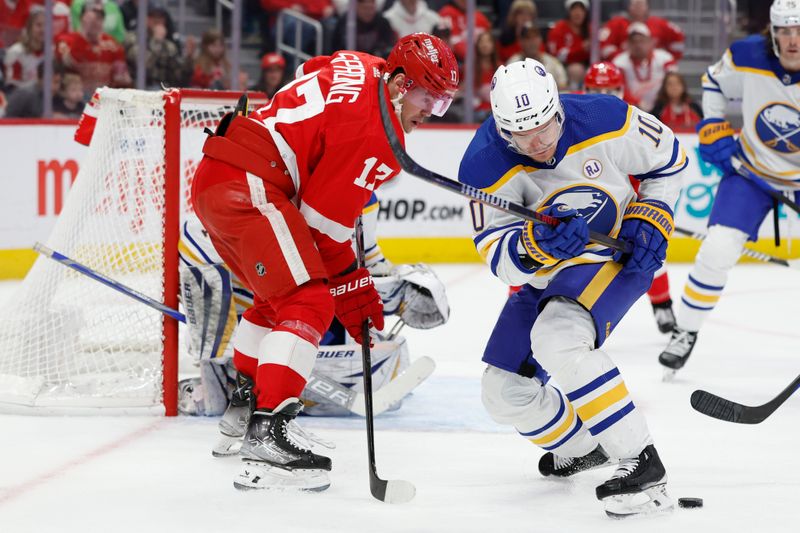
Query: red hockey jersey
(99, 64)
(566, 44)
(327, 128)
(666, 35)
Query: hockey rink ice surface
(152, 474)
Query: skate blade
(669, 375)
(258, 475)
(650, 501)
(227, 446)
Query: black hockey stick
(392, 490)
(730, 411)
(754, 254)
(473, 193)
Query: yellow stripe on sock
(694, 295)
(603, 402)
(560, 430)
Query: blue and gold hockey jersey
(604, 141)
(769, 143)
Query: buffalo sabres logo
(778, 127)
(592, 203)
(539, 70)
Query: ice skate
(677, 351)
(665, 318)
(234, 421)
(555, 465)
(638, 487)
(272, 458)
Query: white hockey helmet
(783, 13)
(524, 96)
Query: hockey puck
(690, 503)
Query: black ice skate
(665, 318)
(677, 351)
(274, 459)
(234, 422)
(554, 465)
(637, 487)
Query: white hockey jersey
(644, 78)
(604, 142)
(769, 143)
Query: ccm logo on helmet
(351, 286)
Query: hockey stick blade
(415, 169)
(729, 411)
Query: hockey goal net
(70, 344)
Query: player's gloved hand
(548, 244)
(647, 225)
(717, 144)
(356, 300)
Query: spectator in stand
(674, 107)
(321, 10)
(455, 15)
(531, 42)
(113, 22)
(26, 102)
(211, 68)
(486, 63)
(613, 36)
(163, 61)
(643, 66)
(95, 55)
(569, 39)
(13, 15)
(520, 14)
(24, 56)
(68, 102)
(273, 74)
(374, 34)
(411, 16)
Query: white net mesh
(66, 340)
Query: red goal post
(71, 345)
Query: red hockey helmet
(431, 71)
(603, 75)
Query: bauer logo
(592, 168)
(778, 127)
(592, 203)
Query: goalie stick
(473, 193)
(730, 411)
(391, 490)
(754, 254)
(331, 390)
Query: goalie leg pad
(207, 297)
(539, 412)
(718, 254)
(563, 339)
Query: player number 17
(366, 180)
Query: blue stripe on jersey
(611, 420)
(711, 77)
(592, 385)
(513, 242)
(372, 200)
(577, 427)
(709, 89)
(706, 286)
(197, 248)
(664, 174)
(482, 235)
(675, 151)
(243, 292)
(498, 251)
(188, 264)
(550, 424)
(693, 306)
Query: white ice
(153, 474)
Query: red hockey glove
(356, 300)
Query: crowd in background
(95, 45)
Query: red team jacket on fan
(326, 126)
(666, 35)
(99, 64)
(566, 44)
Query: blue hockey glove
(647, 225)
(548, 244)
(717, 144)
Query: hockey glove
(717, 144)
(356, 300)
(647, 225)
(548, 244)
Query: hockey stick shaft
(108, 282)
(762, 184)
(754, 254)
(723, 409)
(473, 193)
